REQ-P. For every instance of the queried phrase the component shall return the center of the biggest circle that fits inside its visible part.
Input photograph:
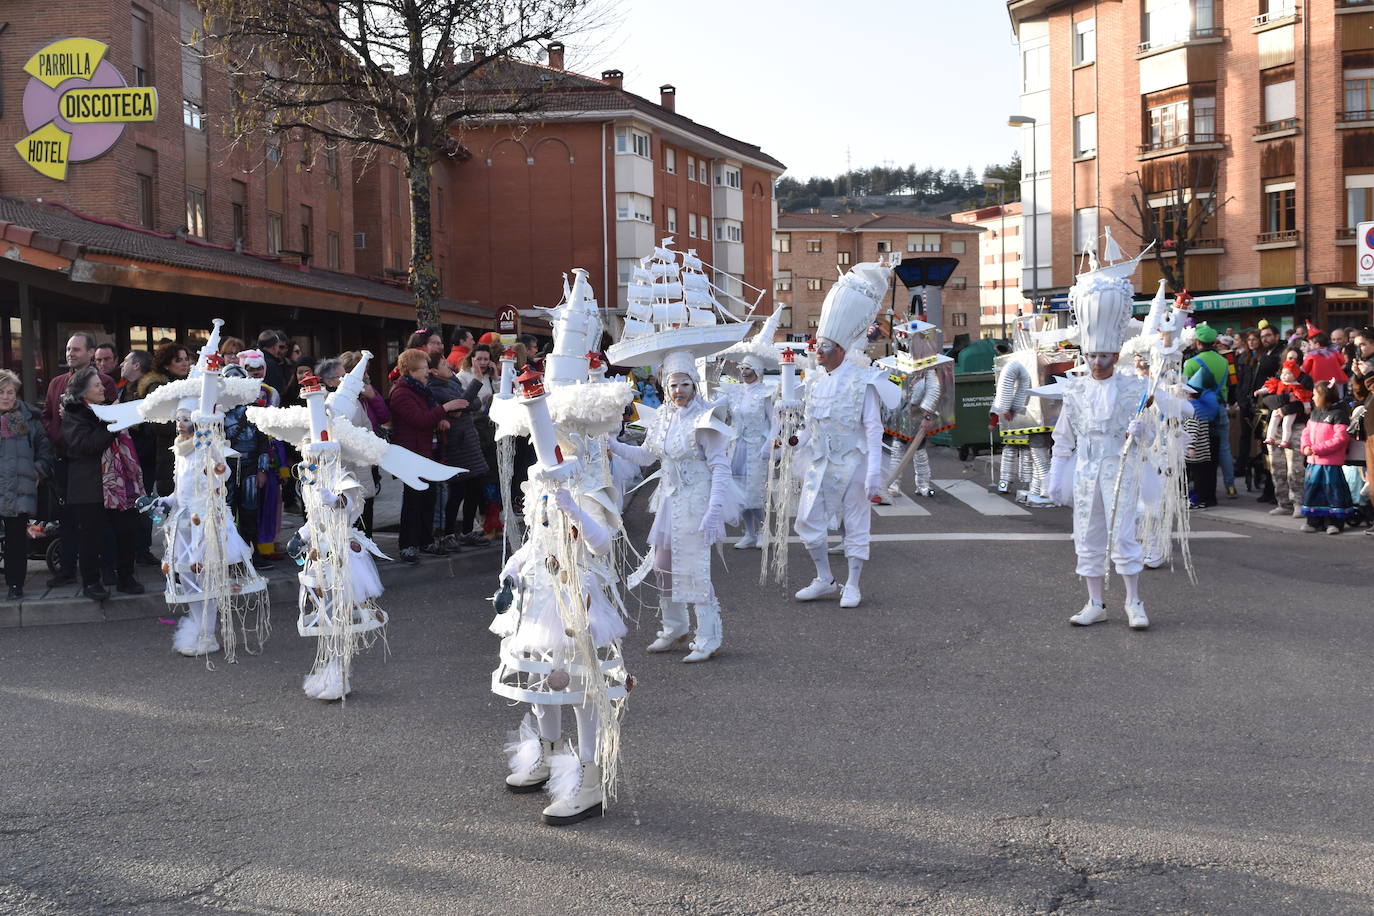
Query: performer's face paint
(681, 389)
(1102, 365)
(748, 375)
(829, 354)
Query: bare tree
(401, 75)
(1175, 207)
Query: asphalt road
(951, 746)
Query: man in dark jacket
(80, 354)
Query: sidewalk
(47, 607)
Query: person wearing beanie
(1286, 397)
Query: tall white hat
(853, 303)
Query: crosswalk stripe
(979, 499)
(902, 505)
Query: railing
(1350, 3)
(1285, 235)
(1347, 232)
(1274, 16)
(1193, 244)
(1269, 127)
(1179, 38)
(1179, 141)
(1362, 114)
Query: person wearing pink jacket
(1325, 440)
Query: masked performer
(751, 416)
(926, 406)
(843, 432)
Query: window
(958, 282)
(813, 245)
(273, 151)
(1035, 69)
(142, 25)
(307, 151)
(1085, 229)
(813, 284)
(782, 284)
(1165, 22)
(274, 233)
(307, 232)
(703, 172)
(729, 176)
(192, 114)
(145, 168)
(923, 241)
(238, 202)
(782, 243)
(958, 319)
(195, 212)
(729, 230)
(1168, 125)
(332, 251)
(331, 164)
(1204, 119)
(1085, 135)
(958, 246)
(1359, 199)
(1280, 207)
(625, 269)
(842, 257)
(885, 246)
(1359, 94)
(1280, 101)
(691, 168)
(670, 160)
(629, 141)
(692, 225)
(671, 219)
(634, 206)
(1084, 42)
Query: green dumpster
(973, 394)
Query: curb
(282, 588)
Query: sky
(820, 87)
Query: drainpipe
(605, 240)
(1306, 134)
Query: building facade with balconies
(1000, 298)
(1238, 132)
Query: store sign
(76, 105)
(1364, 254)
(508, 324)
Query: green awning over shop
(1242, 299)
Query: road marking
(1016, 536)
(979, 499)
(902, 505)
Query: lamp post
(1022, 121)
(1001, 185)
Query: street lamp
(1022, 121)
(1001, 185)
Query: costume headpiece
(1101, 300)
(758, 352)
(853, 303)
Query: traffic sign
(1364, 259)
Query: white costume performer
(673, 319)
(751, 415)
(559, 612)
(843, 431)
(1093, 465)
(926, 405)
(1024, 423)
(207, 563)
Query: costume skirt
(1325, 493)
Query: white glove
(1357, 413)
(512, 568)
(1135, 427)
(329, 498)
(592, 532)
(1060, 484)
(873, 484)
(564, 500)
(712, 525)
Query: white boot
(195, 635)
(709, 632)
(1135, 615)
(675, 626)
(1092, 612)
(749, 540)
(528, 757)
(327, 683)
(576, 789)
(819, 588)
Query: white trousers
(855, 512)
(1090, 530)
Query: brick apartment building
(999, 243)
(1275, 100)
(814, 249)
(151, 228)
(595, 183)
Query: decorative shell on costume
(592, 408)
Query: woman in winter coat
(481, 366)
(103, 480)
(460, 447)
(416, 414)
(25, 460)
(1325, 440)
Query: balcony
(1281, 237)
(1215, 33)
(1347, 233)
(1179, 142)
(1284, 127)
(1273, 18)
(1352, 4)
(1194, 245)
(1364, 114)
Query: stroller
(45, 532)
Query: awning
(1242, 299)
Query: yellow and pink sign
(76, 105)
